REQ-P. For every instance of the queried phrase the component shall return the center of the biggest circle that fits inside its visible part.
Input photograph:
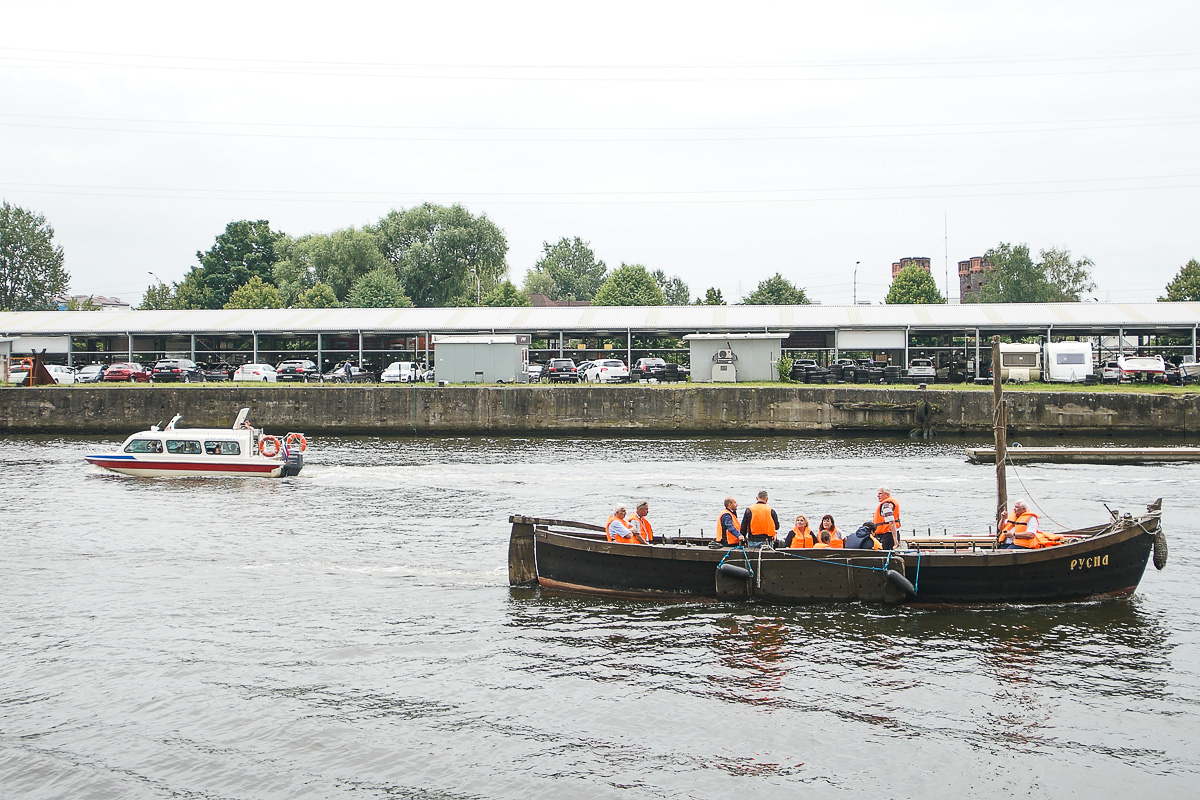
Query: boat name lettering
(1089, 563)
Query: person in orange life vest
(1004, 536)
(728, 532)
(640, 524)
(825, 540)
(800, 535)
(827, 524)
(887, 519)
(619, 530)
(863, 538)
(760, 523)
(1025, 531)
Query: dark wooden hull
(1108, 562)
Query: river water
(350, 634)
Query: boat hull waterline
(1105, 561)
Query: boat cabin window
(1018, 359)
(144, 446)
(183, 447)
(223, 448)
(1069, 358)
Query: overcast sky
(722, 142)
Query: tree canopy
(319, 296)
(158, 297)
(567, 270)
(244, 251)
(434, 248)
(506, 294)
(337, 259)
(914, 286)
(712, 297)
(32, 275)
(675, 291)
(776, 291)
(1185, 285)
(256, 293)
(629, 285)
(378, 289)
(1015, 278)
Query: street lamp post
(855, 287)
(478, 291)
(160, 280)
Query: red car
(127, 372)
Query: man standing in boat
(760, 523)
(640, 524)
(887, 519)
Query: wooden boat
(1101, 561)
(1105, 560)
(240, 451)
(1087, 455)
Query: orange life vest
(721, 537)
(1006, 529)
(882, 526)
(834, 539)
(1021, 525)
(804, 538)
(761, 523)
(821, 544)
(646, 530)
(622, 539)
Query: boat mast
(999, 426)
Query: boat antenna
(999, 426)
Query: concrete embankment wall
(425, 409)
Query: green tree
(434, 248)
(244, 251)
(675, 291)
(567, 270)
(378, 289)
(776, 291)
(31, 264)
(256, 293)
(1015, 278)
(82, 304)
(319, 296)
(1185, 286)
(159, 297)
(629, 285)
(914, 286)
(713, 297)
(506, 294)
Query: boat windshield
(223, 448)
(144, 446)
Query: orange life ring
(297, 437)
(268, 443)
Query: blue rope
(744, 555)
(884, 568)
(917, 581)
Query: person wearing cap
(640, 524)
(863, 538)
(760, 523)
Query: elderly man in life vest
(1024, 529)
(619, 530)
(887, 519)
(760, 523)
(640, 524)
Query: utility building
(482, 359)
(734, 357)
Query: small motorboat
(240, 451)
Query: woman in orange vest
(729, 533)
(801, 535)
(827, 524)
(618, 529)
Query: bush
(785, 368)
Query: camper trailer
(1020, 362)
(1067, 362)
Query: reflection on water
(350, 633)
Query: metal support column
(907, 333)
(193, 347)
(70, 350)
(978, 373)
(1194, 343)
(360, 349)
(320, 354)
(129, 341)
(629, 347)
(560, 344)
(254, 336)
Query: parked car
(18, 371)
(255, 372)
(176, 369)
(92, 373)
(608, 370)
(922, 368)
(61, 374)
(127, 371)
(561, 369)
(1110, 372)
(219, 371)
(357, 375)
(402, 372)
(297, 370)
(659, 370)
(534, 371)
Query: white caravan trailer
(1068, 362)
(1020, 362)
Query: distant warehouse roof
(614, 319)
